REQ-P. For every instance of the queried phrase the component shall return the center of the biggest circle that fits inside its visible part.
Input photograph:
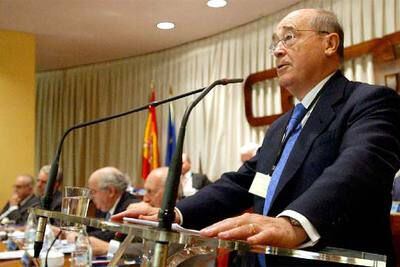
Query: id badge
(260, 184)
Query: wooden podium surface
(395, 223)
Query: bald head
(308, 46)
(23, 186)
(154, 186)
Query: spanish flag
(150, 158)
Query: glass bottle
(82, 254)
(30, 231)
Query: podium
(197, 245)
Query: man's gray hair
(327, 21)
(114, 178)
(46, 170)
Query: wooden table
(17, 262)
(8, 263)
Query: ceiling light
(165, 25)
(216, 3)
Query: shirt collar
(188, 174)
(309, 97)
(112, 210)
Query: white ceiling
(76, 32)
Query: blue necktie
(293, 130)
(291, 135)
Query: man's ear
(331, 44)
(111, 191)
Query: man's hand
(99, 247)
(257, 229)
(139, 205)
(141, 210)
(14, 200)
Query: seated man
(41, 182)
(154, 187)
(21, 200)
(191, 182)
(108, 193)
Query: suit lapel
(319, 120)
(271, 146)
(121, 202)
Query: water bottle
(29, 240)
(30, 231)
(82, 254)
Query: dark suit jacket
(57, 200)
(339, 174)
(21, 214)
(125, 200)
(199, 180)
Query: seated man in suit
(108, 192)
(41, 182)
(323, 166)
(21, 200)
(154, 190)
(191, 182)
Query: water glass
(75, 201)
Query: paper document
(9, 255)
(176, 227)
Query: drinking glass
(75, 201)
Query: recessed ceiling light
(216, 3)
(165, 25)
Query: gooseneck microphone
(166, 214)
(48, 196)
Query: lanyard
(286, 136)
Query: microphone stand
(48, 197)
(166, 215)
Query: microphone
(166, 215)
(48, 197)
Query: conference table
(18, 263)
(8, 263)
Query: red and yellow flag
(150, 158)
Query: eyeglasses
(93, 192)
(289, 38)
(18, 186)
